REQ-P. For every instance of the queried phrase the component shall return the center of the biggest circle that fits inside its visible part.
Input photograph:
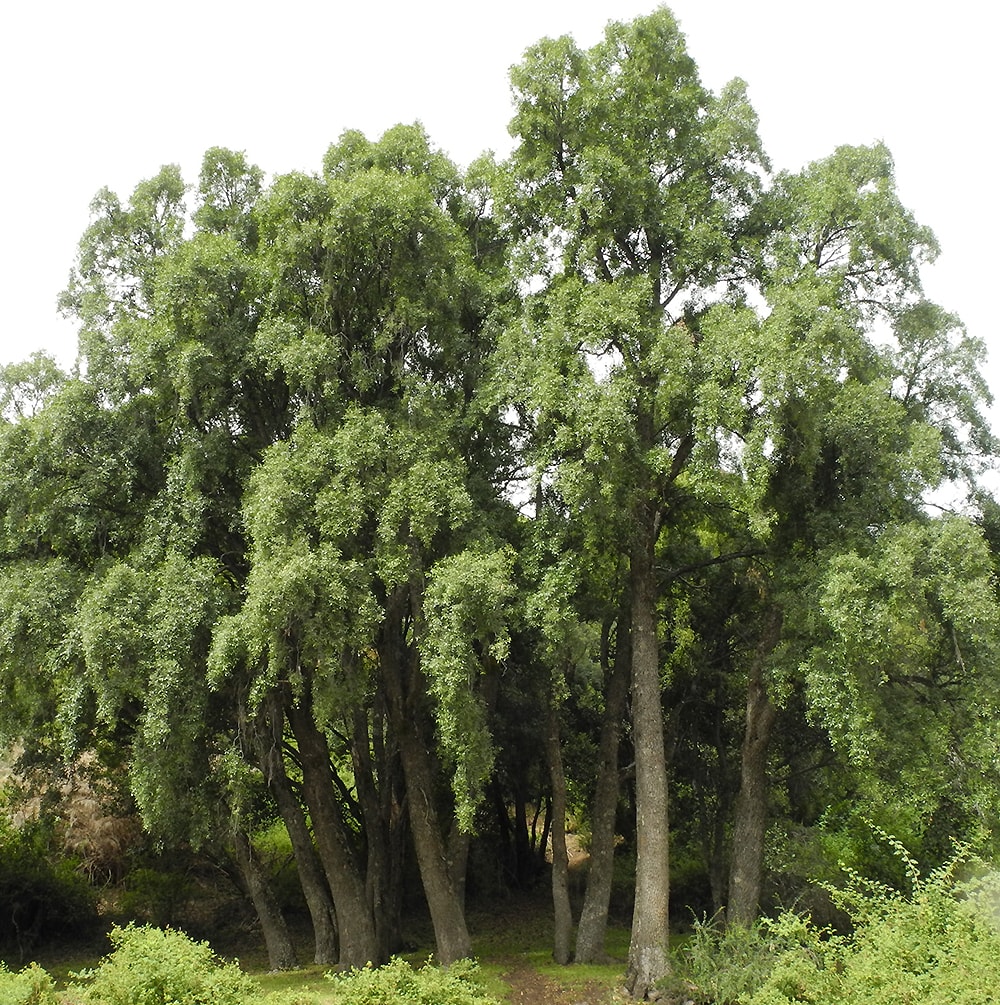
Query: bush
(155, 896)
(32, 986)
(938, 946)
(42, 896)
(719, 965)
(152, 966)
(397, 983)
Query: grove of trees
(403, 502)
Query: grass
(514, 938)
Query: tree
(635, 187)
(382, 491)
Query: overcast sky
(104, 92)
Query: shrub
(937, 946)
(723, 965)
(152, 966)
(155, 896)
(32, 986)
(42, 896)
(397, 983)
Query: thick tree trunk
(750, 813)
(280, 951)
(562, 912)
(314, 886)
(591, 932)
(647, 955)
(358, 944)
(447, 914)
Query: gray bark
(648, 961)
(562, 912)
(447, 914)
(280, 951)
(268, 740)
(591, 932)
(751, 810)
(358, 944)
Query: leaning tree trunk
(647, 955)
(562, 912)
(750, 813)
(268, 739)
(280, 951)
(447, 913)
(590, 934)
(358, 944)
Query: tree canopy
(406, 500)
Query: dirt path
(529, 987)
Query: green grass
(515, 936)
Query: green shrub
(724, 965)
(42, 896)
(397, 983)
(32, 986)
(938, 946)
(152, 966)
(155, 896)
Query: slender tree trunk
(314, 885)
(447, 914)
(591, 932)
(750, 814)
(459, 844)
(562, 912)
(647, 956)
(280, 951)
(459, 841)
(523, 858)
(378, 811)
(358, 944)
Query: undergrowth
(937, 944)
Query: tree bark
(358, 944)
(280, 951)
(381, 813)
(562, 912)
(592, 930)
(447, 914)
(750, 812)
(268, 740)
(647, 956)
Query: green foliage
(398, 983)
(722, 965)
(31, 986)
(936, 946)
(152, 966)
(467, 633)
(940, 943)
(42, 896)
(155, 896)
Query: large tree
(634, 189)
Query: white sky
(104, 92)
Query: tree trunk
(314, 885)
(381, 815)
(591, 932)
(750, 813)
(459, 844)
(647, 955)
(280, 951)
(358, 944)
(447, 915)
(562, 912)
